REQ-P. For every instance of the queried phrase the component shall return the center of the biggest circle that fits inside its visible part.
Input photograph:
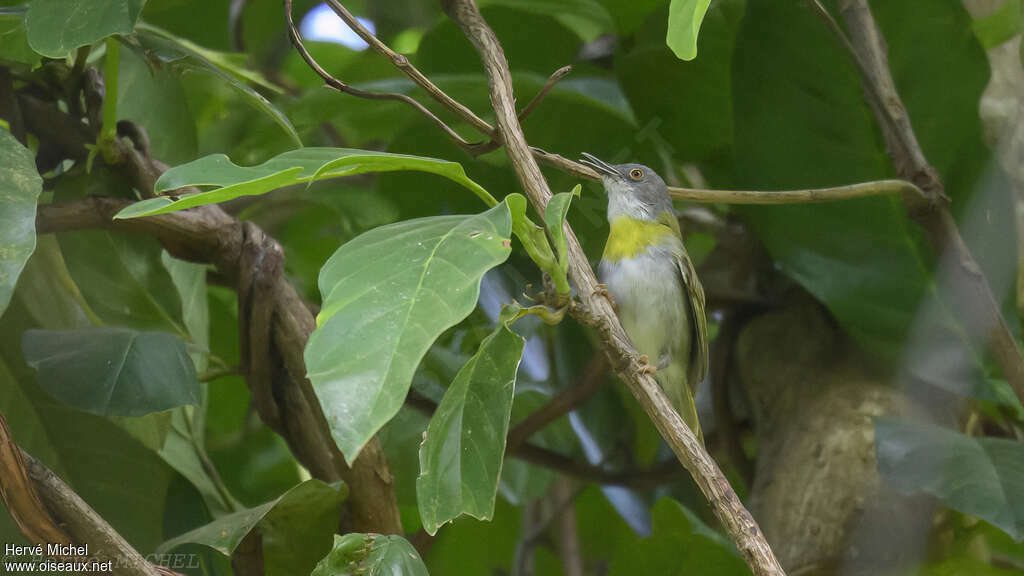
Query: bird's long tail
(673, 381)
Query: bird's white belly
(649, 293)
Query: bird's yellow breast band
(628, 237)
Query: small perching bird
(651, 280)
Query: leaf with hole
(301, 166)
(983, 477)
(462, 451)
(387, 295)
(113, 371)
(20, 186)
(357, 554)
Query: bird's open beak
(601, 166)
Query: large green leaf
(13, 38)
(444, 48)
(293, 167)
(679, 539)
(186, 57)
(983, 477)
(357, 554)
(57, 27)
(387, 295)
(120, 275)
(296, 528)
(462, 451)
(113, 371)
(684, 20)
(101, 460)
(20, 186)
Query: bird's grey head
(633, 190)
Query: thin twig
(552, 80)
(340, 86)
(557, 75)
(403, 64)
(557, 161)
(809, 196)
(596, 311)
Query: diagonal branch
(961, 282)
(48, 511)
(597, 311)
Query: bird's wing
(698, 365)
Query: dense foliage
(134, 373)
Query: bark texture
(817, 494)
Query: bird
(652, 284)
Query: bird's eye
(636, 174)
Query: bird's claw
(602, 290)
(645, 365)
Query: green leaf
(189, 279)
(462, 451)
(357, 554)
(301, 166)
(13, 39)
(120, 275)
(801, 121)
(590, 15)
(188, 57)
(183, 450)
(91, 453)
(689, 109)
(113, 371)
(999, 26)
(56, 28)
(684, 19)
(387, 295)
(20, 186)
(554, 216)
(983, 477)
(678, 540)
(175, 48)
(151, 95)
(443, 48)
(301, 520)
